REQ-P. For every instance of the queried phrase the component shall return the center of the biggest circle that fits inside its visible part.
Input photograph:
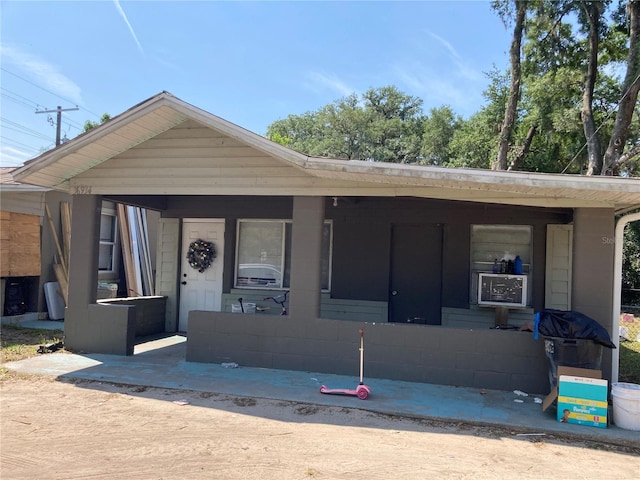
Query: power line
(12, 97)
(37, 135)
(33, 104)
(48, 91)
(59, 111)
(24, 99)
(16, 100)
(24, 128)
(601, 125)
(72, 123)
(16, 143)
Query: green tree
(572, 51)
(88, 125)
(475, 141)
(382, 124)
(439, 128)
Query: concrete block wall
(492, 359)
(106, 329)
(483, 317)
(149, 313)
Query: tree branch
(628, 157)
(524, 150)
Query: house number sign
(82, 190)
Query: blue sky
(248, 62)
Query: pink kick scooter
(362, 391)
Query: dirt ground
(91, 430)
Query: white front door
(201, 290)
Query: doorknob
(184, 283)
(394, 293)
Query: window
(263, 254)
(108, 230)
(496, 242)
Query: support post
(83, 269)
(306, 257)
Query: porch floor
(161, 363)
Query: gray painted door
(416, 274)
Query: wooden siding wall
(28, 203)
(198, 158)
(19, 245)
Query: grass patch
(629, 371)
(18, 343)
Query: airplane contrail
(124, 16)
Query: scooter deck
(361, 391)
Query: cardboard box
(583, 393)
(583, 401)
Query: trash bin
(571, 339)
(571, 352)
(15, 297)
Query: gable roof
(129, 129)
(8, 184)
(57, 168)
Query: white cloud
(13, 157)
(452, 51)
(44, 73)
(126, 20)
(438, 89)
(168, 64)
(462, 68)
(319, 81)
(432, 87)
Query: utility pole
(59, 111)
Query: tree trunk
(526, 146)
(593, 11)
(510, 112)
(613, 157)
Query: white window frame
(496, 250)
(112, 244)
(284, 223)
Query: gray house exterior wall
(593, 252)
(480, 357)
(362, 236)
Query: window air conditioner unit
(502, 290)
